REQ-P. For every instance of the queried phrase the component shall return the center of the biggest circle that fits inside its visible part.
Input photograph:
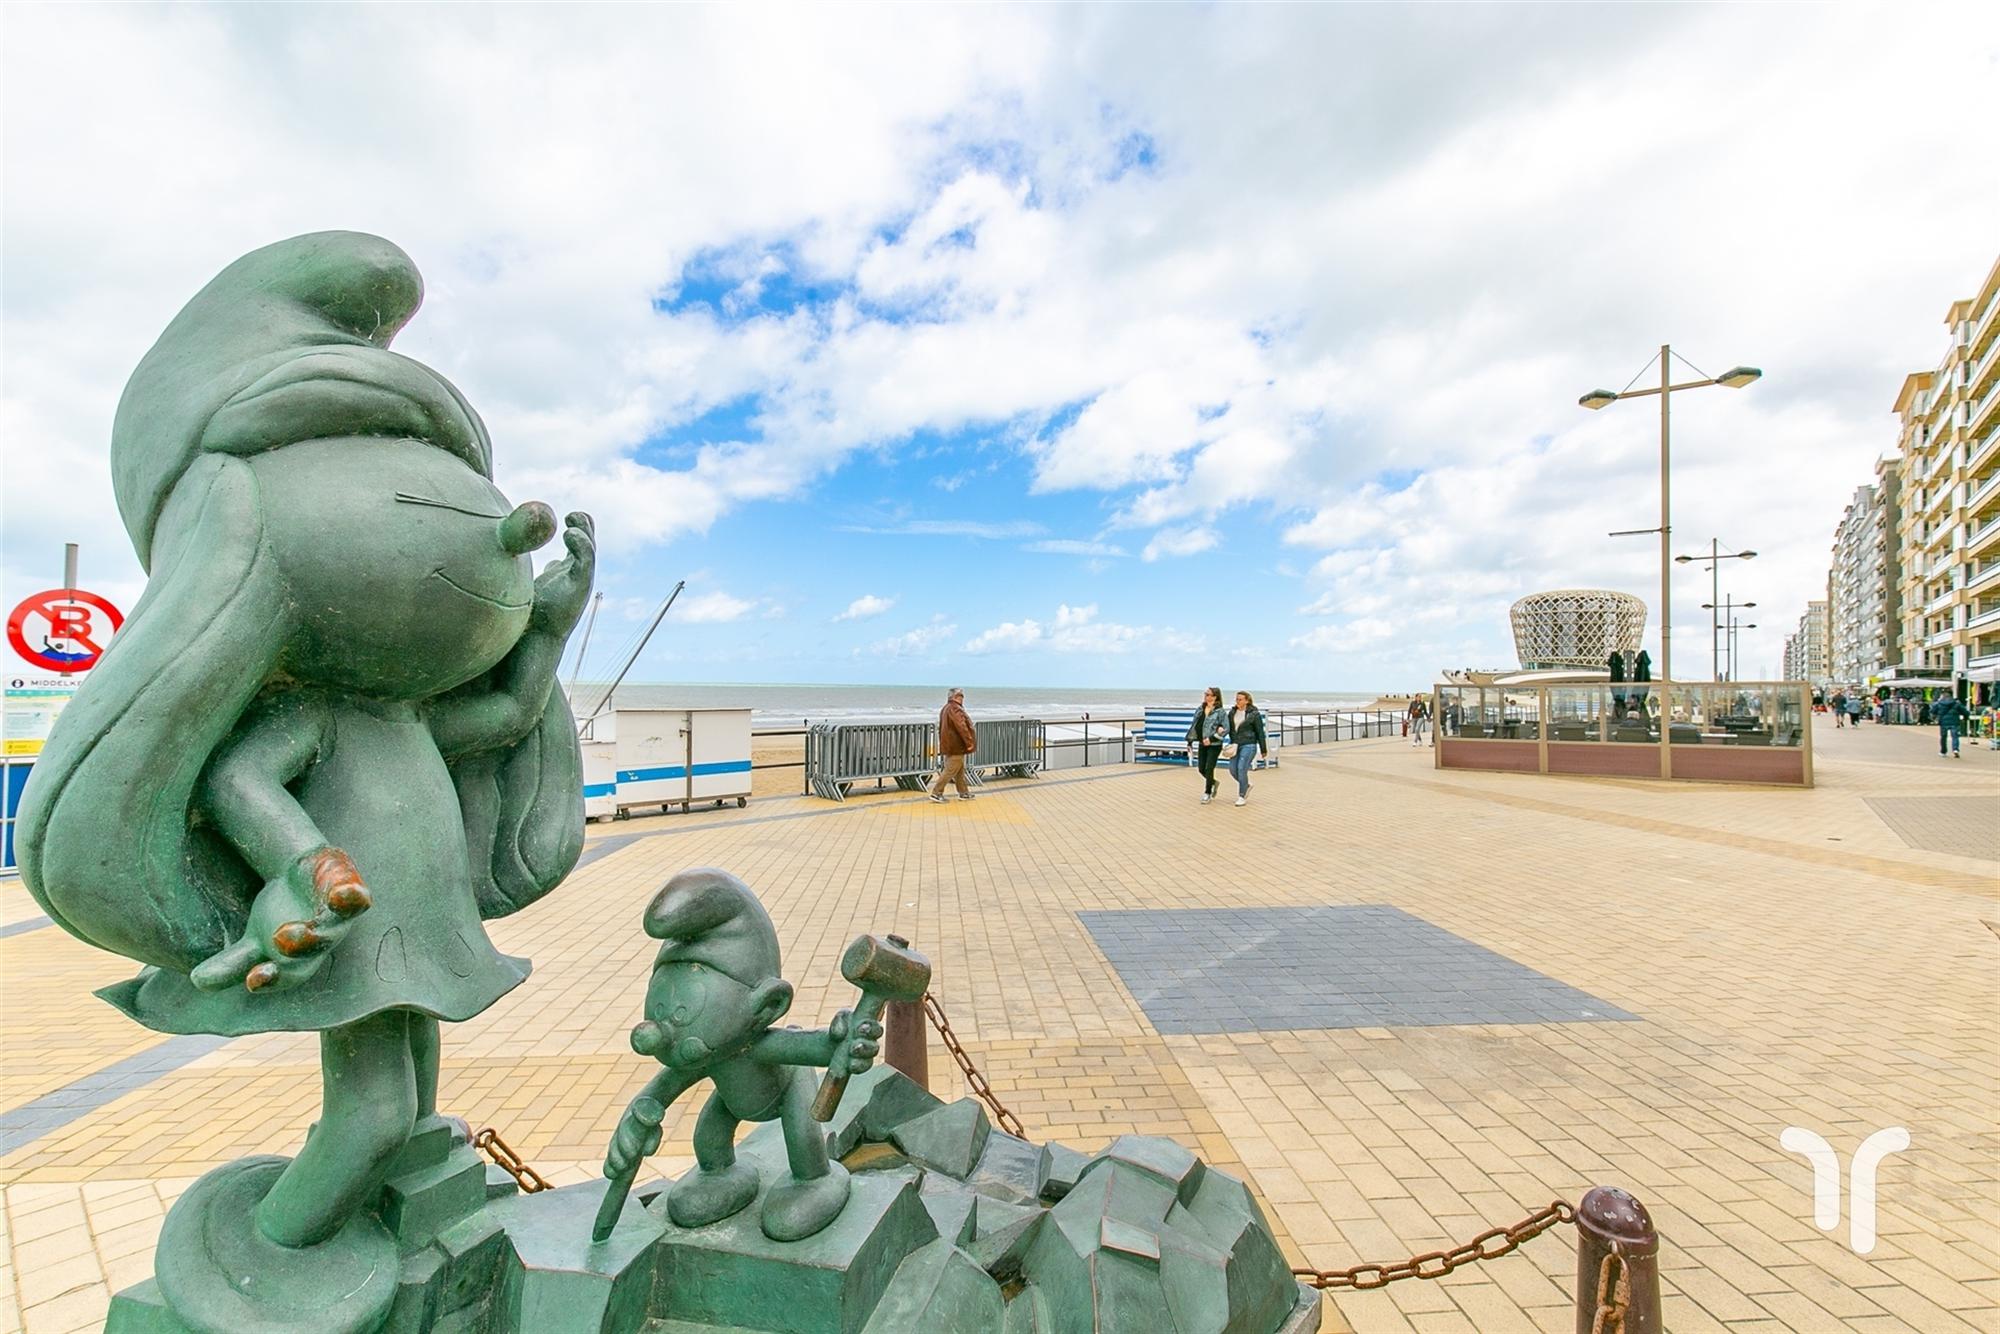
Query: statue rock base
(952, 1226)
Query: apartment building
(1948, 529)
(1806, 648)
(1864, 595)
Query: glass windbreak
(1487, 713)
(1579, 713)
(1738, 713)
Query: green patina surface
(326, 747)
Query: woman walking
(1246, 731)
(1206, 736)
(1419, 720)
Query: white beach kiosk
(665, 758)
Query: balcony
(1984, 577)
(1981, 415)
(1981, 452)
(1986, 321)
(1941, 566)
(1940, 639)
(1940, 602)
(1985, 366)
(1985, 491)
(1980, 537)
(1985, 620)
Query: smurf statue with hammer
(714, 994)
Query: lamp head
(1738, 376)
(1746, 555)
(1598, 398)
(1682, 560)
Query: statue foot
(702, 1197)
(217, 1270)
(796, 1209)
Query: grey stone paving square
(1229, 970)
(1962, 825)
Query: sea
(773, 706)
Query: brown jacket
(955, 734)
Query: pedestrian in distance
(1246, 733)
(1854, 710)
(1206, 735)
(1950, 716)
(1420, 718)
(1840, 708)
(956, 740)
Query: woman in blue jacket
(1246, 730)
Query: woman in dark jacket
(1206, 736)
(1246, 730)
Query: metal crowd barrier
(1010, 748)
(839, 755)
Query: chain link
(488, 1141)
(1614, 1295)
(1488, 1245)
(980, 1088)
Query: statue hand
(855, 1044)
(295, 922)
(633, 1142)
(563, 588)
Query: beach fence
(839, 755)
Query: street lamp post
(1734, 626)
(1725, 612)
(1735, 378)
(1716, 555)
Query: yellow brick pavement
(1791, 960)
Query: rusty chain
(488, 1141)
(1614, 1288)
(1436, 1264)
(1614, 1295)
(980, 1088)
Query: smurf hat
(710, 917)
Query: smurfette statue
(323, 750)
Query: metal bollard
(1610, 1223)
(906, 1040)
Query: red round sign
(63, 629)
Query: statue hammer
(886, 969)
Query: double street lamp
(1734, 626)
(1735, 378)
(1716, 555)
(1724, 614)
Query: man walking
(1840, 708)
(1950, 716)
(955, 741)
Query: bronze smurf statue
(714, 994)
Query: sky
(1106, 346)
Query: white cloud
(1180, 542)
(1068, 546)
(922, 642)
(1365, 248)
(1078, 630)
(865, 606)
(710, 608)
(977, 528)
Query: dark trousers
(1209, 756)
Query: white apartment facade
(1948, 529)
(1806, 648)
(1864, 601)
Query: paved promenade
(1404, 1004)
